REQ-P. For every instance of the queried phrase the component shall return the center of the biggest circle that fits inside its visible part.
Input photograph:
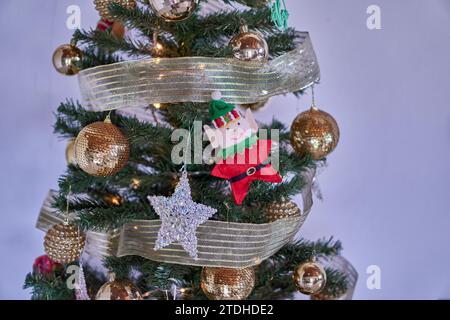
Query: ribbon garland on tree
(139, 83)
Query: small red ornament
(45, 266)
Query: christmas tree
(169, 221)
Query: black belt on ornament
(250, 171)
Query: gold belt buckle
(251, 171)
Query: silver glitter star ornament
(180, 216)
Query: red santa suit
(243, 168)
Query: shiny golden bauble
(310, 278)
(227, 283)
(118, 290)
(282, 209)
(70, 152)
(174, 10)
(249, 46)
(314, 132)
(101, 149)
(102, 7)
(67, 59)
(64, 243)
(257, 106)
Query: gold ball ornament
(70, 152)
(101, 149)
(282, 209)
(227, 283)
(174, 10)
(118, 290)
(314, 132)
(115, 28)
(66, 59)
(102, 7)
(64, 243)
(310, 278)
(249, 46)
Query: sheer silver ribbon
(220, 244)
(140, 83)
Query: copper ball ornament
(249, 46)
(282, 209)
(310, 278)
(66, 59)
(227, 283)
(102, 7)
(314, 132)
(101, 149)
(63, 243)
(118, 290)
(115, 28)
(174, 10)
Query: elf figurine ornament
(242, 157)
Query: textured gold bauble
(63, 243)
(66, 59)
(174, 10)
(102, 7)
(249, 46)
(284, 208)
(257, 106)
(314, 132)
(310, 278)
(70, 152)
(118, 290)
(101, 149)
(227, 283)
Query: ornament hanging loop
(186, 155)
(69, 193)
(244, 26)
(108, 117)
(313, 99)
(312, 255)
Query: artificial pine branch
(108, 42)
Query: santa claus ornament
(242, 157)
